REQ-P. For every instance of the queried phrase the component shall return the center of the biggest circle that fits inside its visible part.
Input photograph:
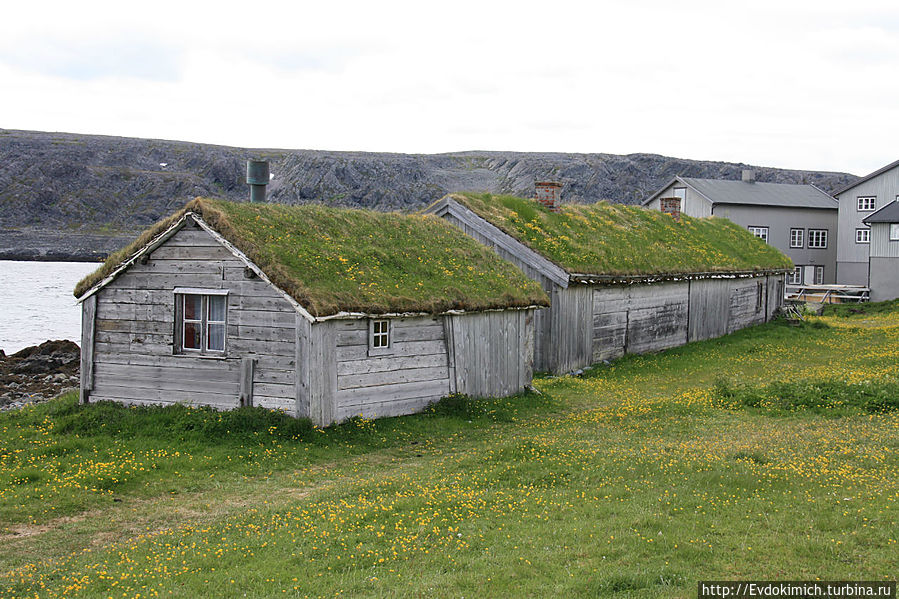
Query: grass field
(769, 454)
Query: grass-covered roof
(621, 240)
(331, 259)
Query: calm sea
(36, 302)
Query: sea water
(36, 302)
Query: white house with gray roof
(799, 220)
(858, 202)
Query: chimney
(748, 175)
(549, 193)
(671, 207)
(257, 179)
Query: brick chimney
(549, 193)
(748, 175)
(671, 207)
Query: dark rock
(37, 373)
(67, 196)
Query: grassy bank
(769, 454)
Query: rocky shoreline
(45, 245)
(38, 373)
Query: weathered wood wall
(134, 360)
(570, 340)
(491, 353)
(641, 318)
(638, 318)
(485, 354)
(411, 374)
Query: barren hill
(65, 196)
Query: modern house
(622, 279)
(858, 202)
(883, 260)
(320, 312)
(799, 220)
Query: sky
(788, 84)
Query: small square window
(797, 238)
(867, 203)
(894, 232)
(378, 336)
(817, 238)
(760, 232)
(863, 236)
(201, 321)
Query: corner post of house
(304, 369)
(317, 371)
(88, 328)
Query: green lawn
(768, 454)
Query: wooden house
(320, 312)
(623, 279)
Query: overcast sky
(808, 85)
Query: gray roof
(887, 214)
(879, 171)
(719, 191)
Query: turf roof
(621, 240)
(334, 259)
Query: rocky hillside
(81, 196)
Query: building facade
(799, 220)
(857, 202)
(883, 260)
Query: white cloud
(788, 84)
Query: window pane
(192, 335)
(217, 308)
(193, 307)
(216, 338)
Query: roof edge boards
(588, 279)
(358, 315)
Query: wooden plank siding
(405, 378)
(570, 329)
(652, 317)
(88, 348)
(493, 352)
(134, 348)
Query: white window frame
(380, 336)
(894, 231)
(863, 236)
(866, 203)
(797, 241)
(681, 193)
(819, 275)
(760, 232)
(204, 322)
(795, 277)
(817, 239)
